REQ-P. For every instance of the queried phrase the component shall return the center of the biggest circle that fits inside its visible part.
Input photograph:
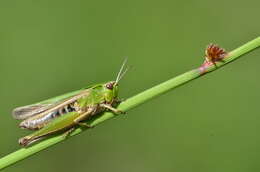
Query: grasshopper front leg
(109, 107)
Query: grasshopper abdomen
(40, 120)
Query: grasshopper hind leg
(28, 140)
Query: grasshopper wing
(25, 112)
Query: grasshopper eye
(110, 85)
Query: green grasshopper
(64, 113)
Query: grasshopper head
(111, 88)
(111, 91)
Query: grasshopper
(64, 113)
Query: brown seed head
(214, 53)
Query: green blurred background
(50, 47)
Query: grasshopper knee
(24, 141)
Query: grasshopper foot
(120, 112)
(82, 124)
(68, 132)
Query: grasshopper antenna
(122, 72)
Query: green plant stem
(132, 102)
